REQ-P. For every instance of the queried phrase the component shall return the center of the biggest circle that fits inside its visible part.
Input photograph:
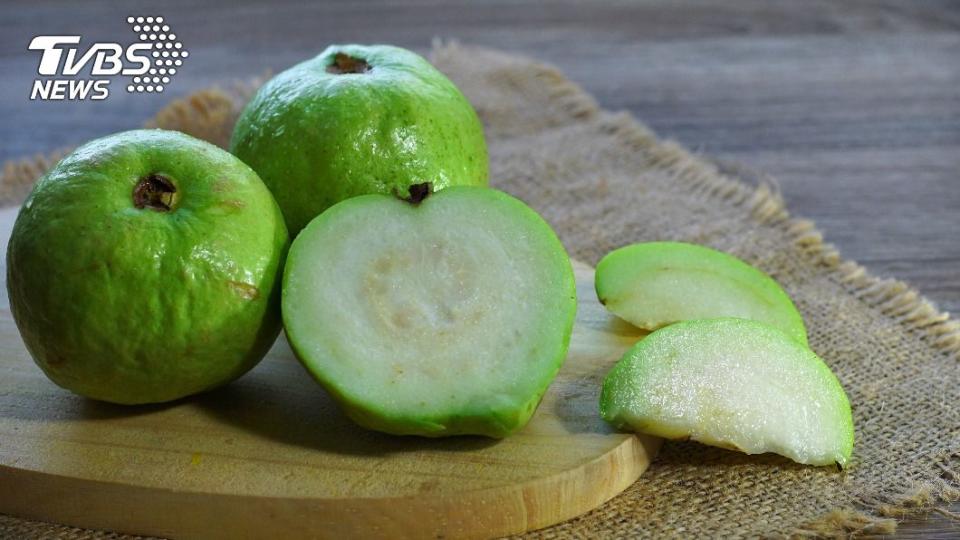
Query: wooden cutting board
(270, 455)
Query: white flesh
(732, 383)
(455, 306)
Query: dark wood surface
(854, 107)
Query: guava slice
(443, 314)
(655, 284)
(733, 383)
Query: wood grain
(852, 106)
(271, 454)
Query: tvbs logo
(67, 74)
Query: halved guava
(443, 314)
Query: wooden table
(853, 107)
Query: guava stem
(344, 63)
(418, 192)
(154, 191)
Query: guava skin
(142, 305)
(317, 135)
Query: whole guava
(146, 266)
(357, 120)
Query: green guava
(357, 120)
(146, 266)
(439, 316)
(654, 284)
(733, 383)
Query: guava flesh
(655, 284)
(442, 317)
(732, 383)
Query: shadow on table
(280, 401)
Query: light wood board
(270, 455)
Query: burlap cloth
(603, 180)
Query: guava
(443, 314)
(146, 266)
(358, 120)
(733, 383)
(654, 284)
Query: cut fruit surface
(442, 317)
(655, 284)
(733, 383)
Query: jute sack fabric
(603, 180)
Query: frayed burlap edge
(209, 114)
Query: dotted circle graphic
(166, 51)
